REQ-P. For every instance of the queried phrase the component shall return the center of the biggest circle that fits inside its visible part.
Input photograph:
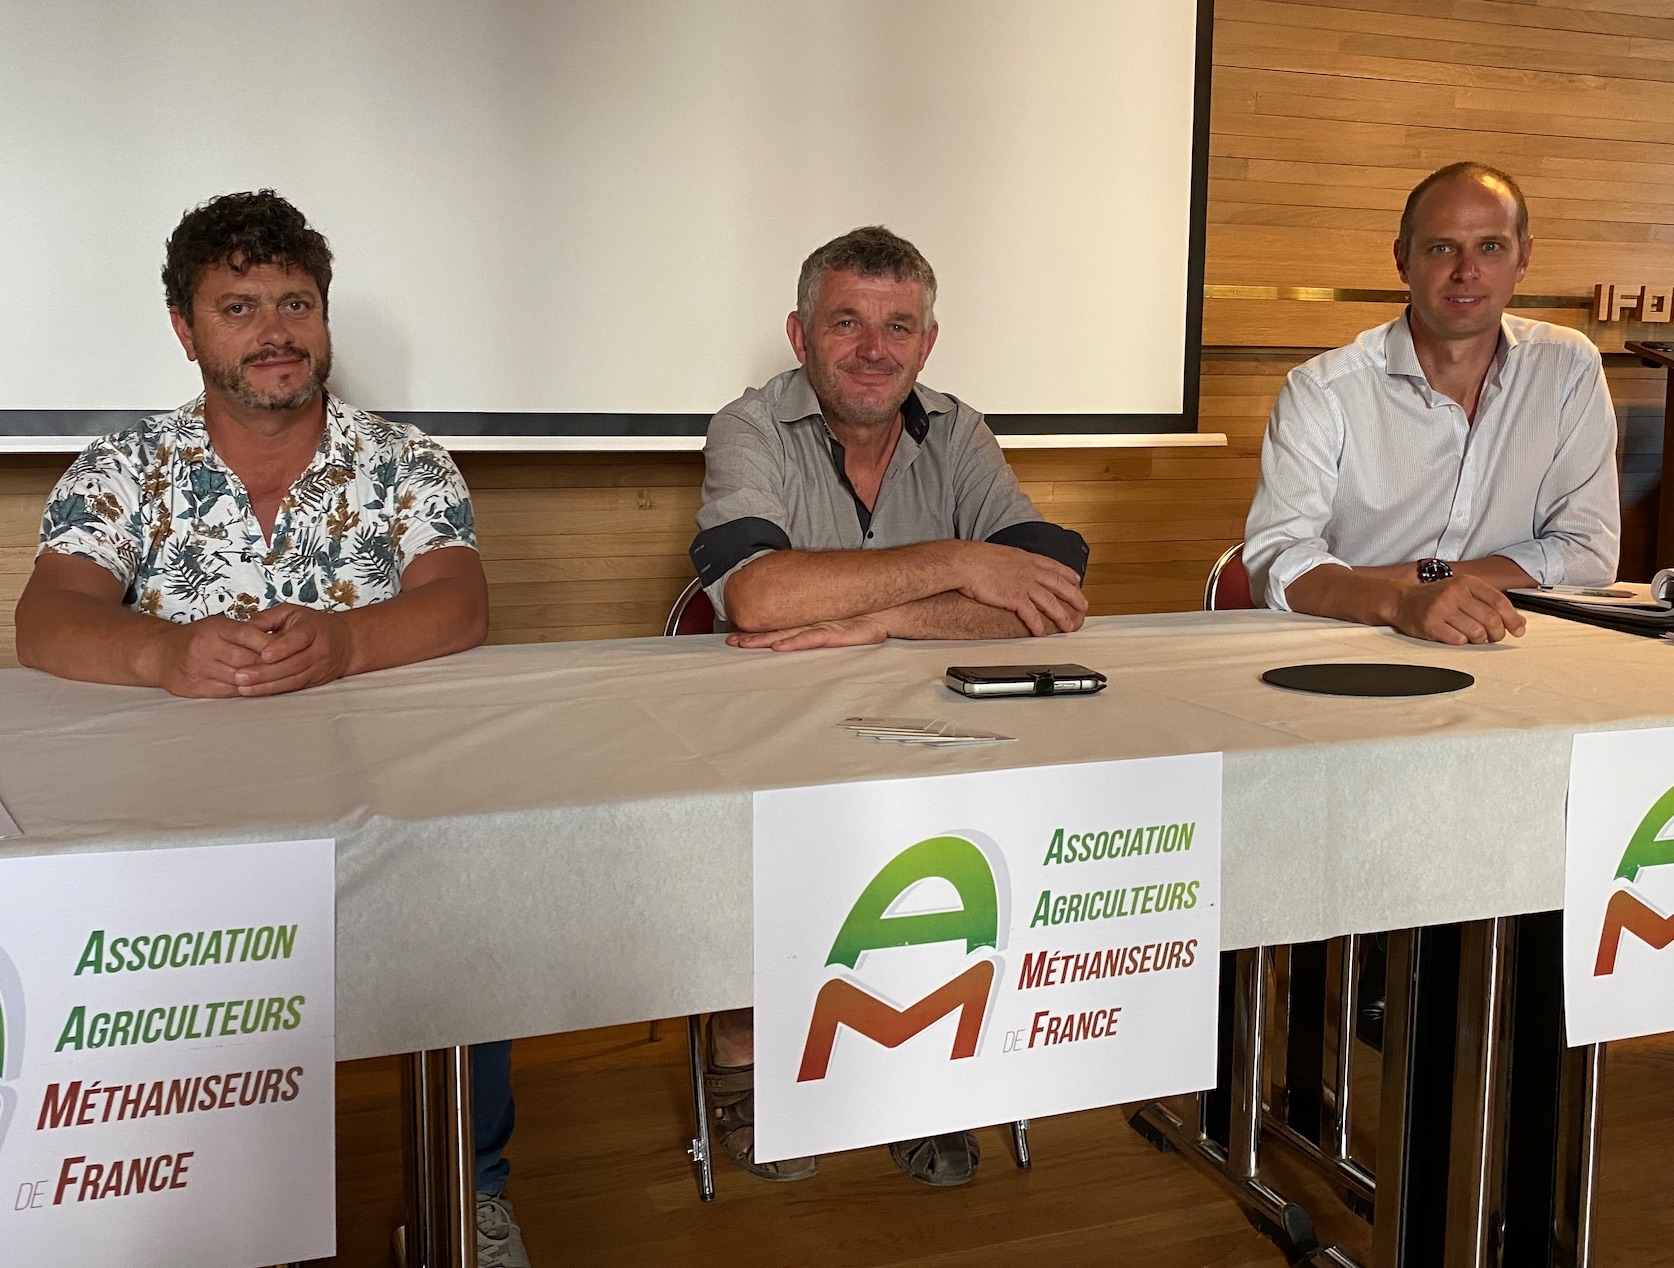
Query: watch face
(1433, 570)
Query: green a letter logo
(869, 926)
(1627, 912)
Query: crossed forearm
(788, 588)
(951, 615)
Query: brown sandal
(732, 1100)
(943, 1161)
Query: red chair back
(1228, 589)
(692, 613)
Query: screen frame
(68, 430)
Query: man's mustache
(276, 354)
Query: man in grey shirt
(1412, 477)
(844, 503)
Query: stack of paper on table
(926, 731)
(1634, 607)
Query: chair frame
(1212, 586)
(671, 627)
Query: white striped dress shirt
(1365, 463)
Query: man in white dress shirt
(1412, 477)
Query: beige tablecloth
(543, 838)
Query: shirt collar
(799, 403)
(1400, 357)
(338, 444)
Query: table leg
(1342, 1064)
(1248, 1035)
(1414, 1126)
(441, 1228)
(1482, 1067)
(1581, 1089)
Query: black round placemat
(1369, 680)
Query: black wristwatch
(1433, 570)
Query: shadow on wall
(1641, 467)
(372, 358)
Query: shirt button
(870, 535)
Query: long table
(541, 838)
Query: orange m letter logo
(1626, 914)
(841, 1003)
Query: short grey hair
(870, 251)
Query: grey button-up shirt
(774, 480)
(1365, 463)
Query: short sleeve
(990, 506)
(433, 506)
(743, 514)
(986, 495)
(94, 511)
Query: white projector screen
(588, 209)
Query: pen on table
(1588, 592)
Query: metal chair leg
(700, 1150)
(1020, 1144)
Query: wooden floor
(599, 1178)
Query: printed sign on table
(948, 952)
(1619, 886)
(167, 1040)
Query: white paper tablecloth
(549, 837)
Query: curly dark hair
(241, 230)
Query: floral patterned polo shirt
(156, 506)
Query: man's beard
(234, 380)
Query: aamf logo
(843, 1001)
(11, 1040)
(1628, 911)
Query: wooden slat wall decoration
(1325, 113)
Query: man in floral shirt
(284, 538)
(265, 537)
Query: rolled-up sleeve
(743, 513)
(94, 510)
(990, 506)
(1578, 518)
(432, 503)
(1284, 535)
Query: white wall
(589, 205)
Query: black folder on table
(1651, 623)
